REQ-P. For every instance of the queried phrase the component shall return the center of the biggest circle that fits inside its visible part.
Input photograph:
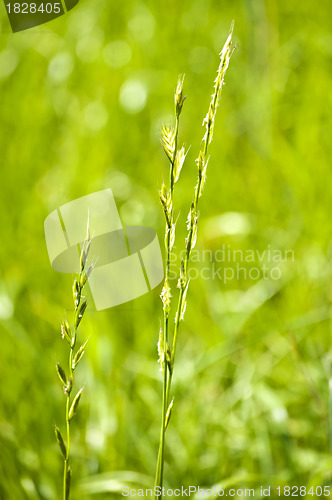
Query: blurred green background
(82, 102)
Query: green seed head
(179, 98)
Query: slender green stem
(66, 486)
(66, 460)
(175, 332)
(161, 452)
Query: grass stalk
(176, 158)
(67, 377)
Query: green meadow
(83, 99)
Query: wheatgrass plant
(75, 356)
(176, 157)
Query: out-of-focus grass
(82, 102)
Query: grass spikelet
(168, 141)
